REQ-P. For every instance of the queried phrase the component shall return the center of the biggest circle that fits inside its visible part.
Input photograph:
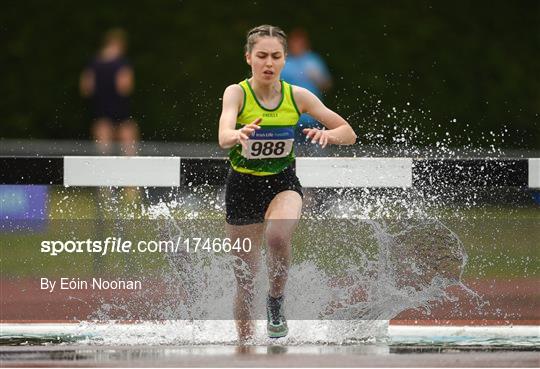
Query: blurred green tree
(442, 70)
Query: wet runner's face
(267, 59)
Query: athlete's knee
(277, 240)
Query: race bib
(269, 143)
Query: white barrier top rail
(172, 171)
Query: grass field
(500, 242)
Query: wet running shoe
(276, 325)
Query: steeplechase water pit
(392, 256)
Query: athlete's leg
(245, 269)
(282, 218)
(103, 134)
(128, 135)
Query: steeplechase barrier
(154, 171)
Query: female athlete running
(263, 194)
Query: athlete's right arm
(232, 102)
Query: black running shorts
(247, 197)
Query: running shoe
(276, 325)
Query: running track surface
(515, 301)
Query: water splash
(372, 257)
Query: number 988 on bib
(269, 143)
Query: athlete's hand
(316, 135)
(247, 130)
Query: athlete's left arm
(339, 131)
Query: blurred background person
(307, 69)
(107, 82)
